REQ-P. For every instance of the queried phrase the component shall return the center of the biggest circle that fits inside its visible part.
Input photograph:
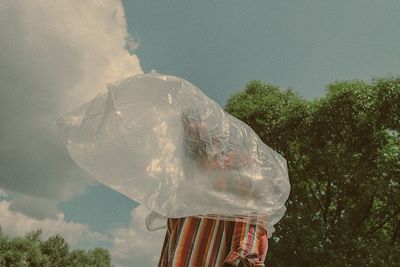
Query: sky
(56, 55)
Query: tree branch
(375, 228)
(339, 208)
(328, 200)
(367, 211)
(396, 232)
(316, 198)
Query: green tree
(343, 153)
(78, 258)
(100, 257)
(56, 249)
(97, 257)
(32, 251)
(21, 252)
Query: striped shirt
(198, 242)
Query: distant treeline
(31, 250)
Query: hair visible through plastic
(162, 142)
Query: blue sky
(220, 45)
(217, 45)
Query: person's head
(195, 147)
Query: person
(210, 242)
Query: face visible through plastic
(195, 148)
(204, 153)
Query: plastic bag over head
(162, 142)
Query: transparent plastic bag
(162, 142)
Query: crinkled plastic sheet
(162, 142)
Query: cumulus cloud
(3, 193)
(54, 56)
(35, 207)
(134, 245)
(18, 224)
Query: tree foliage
(32, 251)
(343, 154)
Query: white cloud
(54, 56)
(3, 193)
(18, 224)
(68, 47)
(131, 44)
(35, 207)
(134, 245)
